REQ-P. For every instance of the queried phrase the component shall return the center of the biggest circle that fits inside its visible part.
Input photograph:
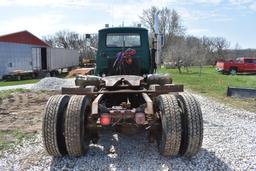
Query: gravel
(53, 83)
(48, 83)
(25, 86)
(229, 144)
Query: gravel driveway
(229, 144)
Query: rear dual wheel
(53, 125)
(65, 125)
(192, 125)
(181, 130)
(76, 132)
(170, 131)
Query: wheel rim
(233, 72)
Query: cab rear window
(123, 40)
(248, 61)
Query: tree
(208, 44)
(176, 52)
(49, 40)
(169, 25)
(72, 40)
(175, 28)
(220, 44)
(148, 18)
(88, 46)
(237, 48)
(67, 39)
(169, 21)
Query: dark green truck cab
(112, 41)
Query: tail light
(140, 118)
(105, 119)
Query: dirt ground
(229, 142)
(23, 111)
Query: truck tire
(170, 137)
(76, 133)
(192, 125)
(232, 71)
(53, 122)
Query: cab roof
(123, 29)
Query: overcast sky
(233, 19)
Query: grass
(214, 84)
(10, 83)
(11, 137)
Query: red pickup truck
(244, 64)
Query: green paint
(106, 54)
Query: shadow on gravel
(122, 152)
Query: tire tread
(54, 108)
(192, 125)
(73, 126)
(170, 143)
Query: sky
(234, 20)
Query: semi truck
(123, 93)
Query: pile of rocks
(53, 83)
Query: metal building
(23, 51)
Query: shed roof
(23, 37)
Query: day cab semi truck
(124, 92)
